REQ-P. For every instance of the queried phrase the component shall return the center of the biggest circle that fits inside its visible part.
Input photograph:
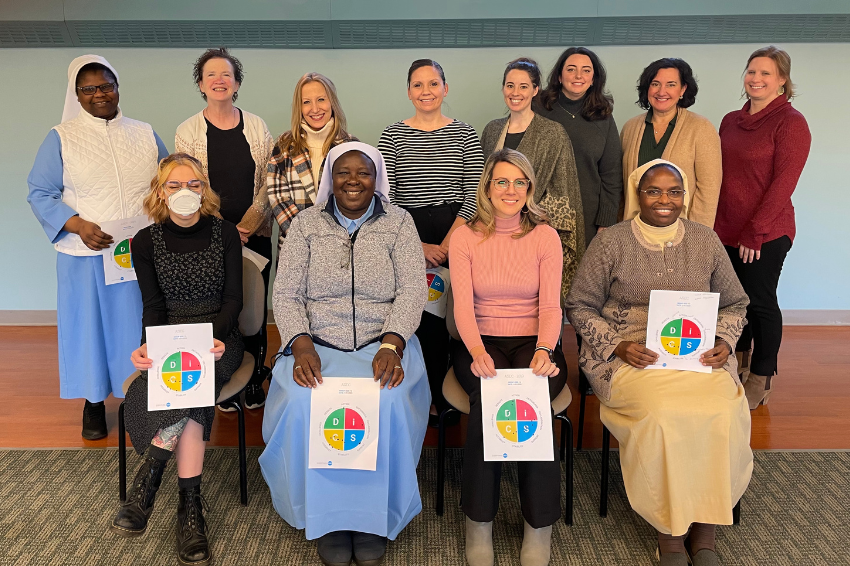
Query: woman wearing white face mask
(189, 267)
(233, 147)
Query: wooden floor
(809, 410)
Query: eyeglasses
(104, 88)
(519, 184)
(174, 186)
(672, 194)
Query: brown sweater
(609, 298)
(695, 147)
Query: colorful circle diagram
(345, 429)
(516, 420)
(436, 286)
(181, 371)
(681, 336)
(122, 254)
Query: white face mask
(184, 202)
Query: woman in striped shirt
(434, 163)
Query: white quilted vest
(107, 167)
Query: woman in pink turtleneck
(506, 279)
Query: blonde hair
(295, 140)
(783, 65)
(484, 220)
(155, 205)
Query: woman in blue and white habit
(349, 294)
(93, 167)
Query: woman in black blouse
(576, 97)
(189, 267)
(233, 147)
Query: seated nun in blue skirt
(349, 294)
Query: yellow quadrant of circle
(335, 438)
(173, 380)
(508, 429)
(124, 261)
(671, 345)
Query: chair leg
(603, 492)
(581, 416)
(563, 443)
(441, 460)
(736, 513)
(122, 455)
(243, 459)
(568, 464)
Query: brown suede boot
(758, 390)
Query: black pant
(432, 224)
(764, 319)
(259, 342)
(539, 482)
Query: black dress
(184, 287)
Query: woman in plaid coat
(295, 167)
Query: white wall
(156, 87)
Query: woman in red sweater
(765, 146)
(506, 279)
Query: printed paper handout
(255, 258)
(117, 261)
(438, 287)
(344, 417)
(680, 327)
(517, 417)
(183, 372)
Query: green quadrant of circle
(673, 329)
(122, 248)
(172, 363)
(336, 420)
(507, 412)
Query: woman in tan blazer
(666, 89)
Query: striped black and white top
(433, 168)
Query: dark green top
(650, 150)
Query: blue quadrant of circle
(353, 438)
(688, 345)
(525, 430)
(190, 379)
(438, 284)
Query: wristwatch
(550, 351)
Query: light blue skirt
(382, 502)
(99, 326)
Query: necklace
(573, 116)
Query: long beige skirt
(684, 444)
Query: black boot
(193, 548)
(94, 421)
(132, 518)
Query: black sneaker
(94, 421)
(227, 407)
(255, 397)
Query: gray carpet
(55, 507)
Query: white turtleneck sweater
(315, 143)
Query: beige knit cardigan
(609, 298)
(694, 146)
(191, 138)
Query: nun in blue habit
(349, 294)
(96, 165)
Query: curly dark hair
(598, 102)
(686, 77)
(220, 53)
(524, 64)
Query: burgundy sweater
(763, 157)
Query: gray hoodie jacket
(347, 292)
